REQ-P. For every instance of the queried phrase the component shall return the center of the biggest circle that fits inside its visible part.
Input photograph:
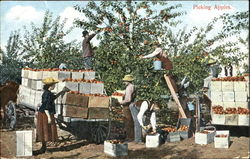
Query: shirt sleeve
(153, 54)
(128, 95)
(90, 37)
(143, 109)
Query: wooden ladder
(171, 88)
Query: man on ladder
(167, 65)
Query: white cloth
(143, 109)
(153, 54)
(62, 66)
(128, 94)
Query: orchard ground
(70, 147)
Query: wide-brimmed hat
(50, 80)
(128, 78)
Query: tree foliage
(45, 47)
(11, 62)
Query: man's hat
(128, 78)
(84, 33)
(50, 80)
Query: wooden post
(167, 78)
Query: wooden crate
(240, 86)
(75, 100)
(216, 86)
(241, 96)
(97, 88)
(229, 105)
(243, 120)
(228, 97)
(85, 87)
(77, 75)
(101, 102)
(29, 83)
(115, 149)
(63, 75)
(25, 82)
(25, 73)
(218, 119)
(216, 96)
(37, 75)
(89, 75)
(227, 86)
(37, 85)
(73, 86)
(173, 137)
(203, 139)
(220, 142)
(242, 104)
(98, 113)
(38, 98)
(153, 140)
(24, 143)
(73, 111)
(186, 122)
(231, 119)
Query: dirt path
(69, 147)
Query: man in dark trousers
(87, 50)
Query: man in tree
(87, 49)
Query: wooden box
(228, 97)
(202, 138)
(216, 96)
(218, 119)
(229, 105)
(115, 149)
(37, 75)
(97, 88)
(76, 100)
(38, 98)
(77, 75)
(227, 86)
(89, 75)
(173, 137)
(85, 87)
(73, 111)
(186, 122)
(240, 86)
(153, 140)
(222, 142)
(101, 102)
(37, 85)
(215, 86)
(25, 82)
(63, 75)
(73, 86)
(98, 113)
(231, 119)
(24, 143)
(242, 104)
(243, 119)
(25, 73)
(46, 74)
(29, 83)
(241, 96)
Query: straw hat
(50, 80)
(128, 78)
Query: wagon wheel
(99, 131)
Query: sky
(16, 14)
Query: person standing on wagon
(87, 50)
(46, 126)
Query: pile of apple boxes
(229, 101)
(85, 100)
